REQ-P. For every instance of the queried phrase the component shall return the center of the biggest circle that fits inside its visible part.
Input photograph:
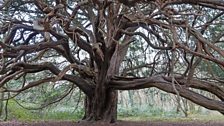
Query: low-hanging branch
(161, 83)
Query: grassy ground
(23, 115)
(68, 119)
(193, 117)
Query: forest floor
(119, 123)
(214, 119)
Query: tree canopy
(101, 46)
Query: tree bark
(96, 111)
(162, 84)
(103, 104)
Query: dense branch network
(80, 42)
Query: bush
(63, 115)
(18, 113)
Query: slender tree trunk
(1, 102)
(130, 94)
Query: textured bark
(103, 104)
(95, 110)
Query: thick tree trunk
(102, 106)
(96, 111)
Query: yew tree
(87, 43)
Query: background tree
(86, 44)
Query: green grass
(16, 112)
(193, 117)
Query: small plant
(16, 112)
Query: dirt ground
(119, 123)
